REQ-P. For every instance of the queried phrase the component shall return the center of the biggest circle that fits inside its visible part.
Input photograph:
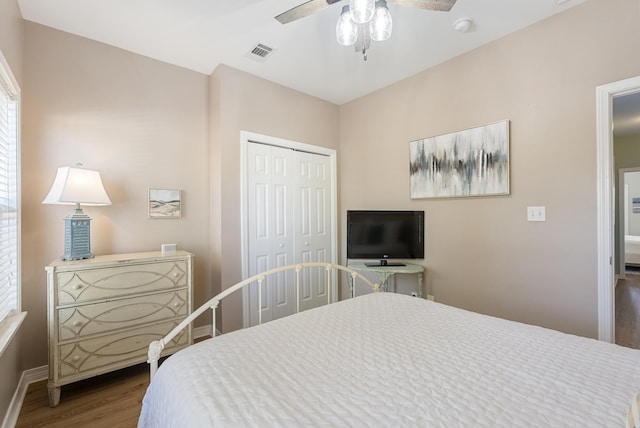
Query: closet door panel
(269, 216)
(313, 237)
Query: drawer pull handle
(175, 274)
(76, 358)
(176, 305)
(77, 323)
(77, 287)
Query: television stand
(383, 263)
(385, 271)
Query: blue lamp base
(77, 236)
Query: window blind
(8, 199)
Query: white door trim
(605, 201)
(247, 137)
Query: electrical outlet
(431, 297)
(414, 294)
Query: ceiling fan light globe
(346, 29)
(381, 24)
(361, 10)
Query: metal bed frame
(156, 347)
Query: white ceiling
(200, 34)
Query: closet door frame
(245, 139)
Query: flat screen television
(385, 235)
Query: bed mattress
(632, 250)
(392, 360)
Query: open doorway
(627, 289)
(605, 96)
(626, 149)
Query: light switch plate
(536, 214)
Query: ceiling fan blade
(305, 9)
(439, 5)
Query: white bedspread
(392, 360)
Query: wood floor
(114, 400)
(628, 311)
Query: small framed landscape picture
(164, 203)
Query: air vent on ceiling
(261, 52)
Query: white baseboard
(27, 377)
(204, 331)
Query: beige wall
(145, 123)
(11, 36)
(142, 123)
(11, 41)
(243, 102)
(481, 253)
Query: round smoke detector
(463, 25)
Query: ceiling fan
(313, 6)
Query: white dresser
(104, 312)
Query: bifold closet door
(270, 225)
(312, 211)
(289, 212)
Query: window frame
(11, 323)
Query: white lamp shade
(361, 10)
(381, 25)
(77, 186)
(346, 29)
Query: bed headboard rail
(156, 347)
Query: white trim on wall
(203, 331)
(11, 322)
(28, 377)
(245, 138)
(605, 201)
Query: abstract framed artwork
(473, 162)
(165, 203)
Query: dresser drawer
(85, 320)
(104, 312)
(118, 349)
(119, 280)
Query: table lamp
(76, 185)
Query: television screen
(385, 235)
